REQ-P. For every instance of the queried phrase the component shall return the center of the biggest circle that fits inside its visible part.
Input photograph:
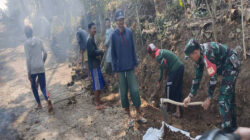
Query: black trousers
(173, 88)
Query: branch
(213, 16)
(138, 21)
(243, 31)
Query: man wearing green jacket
(218, 59)
(175, 69)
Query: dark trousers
(173, 88)
(42, 82)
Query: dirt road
(72, 120)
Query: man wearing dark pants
(170, 62)
(218, 59)
(35, 59)
(94, 61)
(124, 61)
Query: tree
(212, 11)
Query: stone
(238, 30)
(231, 35)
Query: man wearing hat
(175, 69)
(218, 59)
(124, 63)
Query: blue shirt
(123, 51)
(81, 36)
(108, 44)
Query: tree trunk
(243, 29)
(212, 12)
(139, 24)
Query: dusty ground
(71, 121)
(195, 119)
(75, 116)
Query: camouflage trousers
(226, 98)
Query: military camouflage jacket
(216, 53)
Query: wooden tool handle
(165, 100)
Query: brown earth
(75, 114)
(195, 119)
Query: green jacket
(217, 54)
(168, 61)
(94, 55)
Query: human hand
(206, 104)
(116, 76)
(186, 101)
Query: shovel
(165, 100)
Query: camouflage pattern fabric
(220, 55)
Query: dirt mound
(169, 135)
(195, 119)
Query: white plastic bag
(154, 134)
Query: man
(175, 68)
(124, 61)
(107, 44)
(218, 59)
(94, 61)
(35, 59)
(81, 36)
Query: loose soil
(75, 114)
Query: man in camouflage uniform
(218, 59)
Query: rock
(231, 35)
(238, 30)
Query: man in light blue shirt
(107, 44)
